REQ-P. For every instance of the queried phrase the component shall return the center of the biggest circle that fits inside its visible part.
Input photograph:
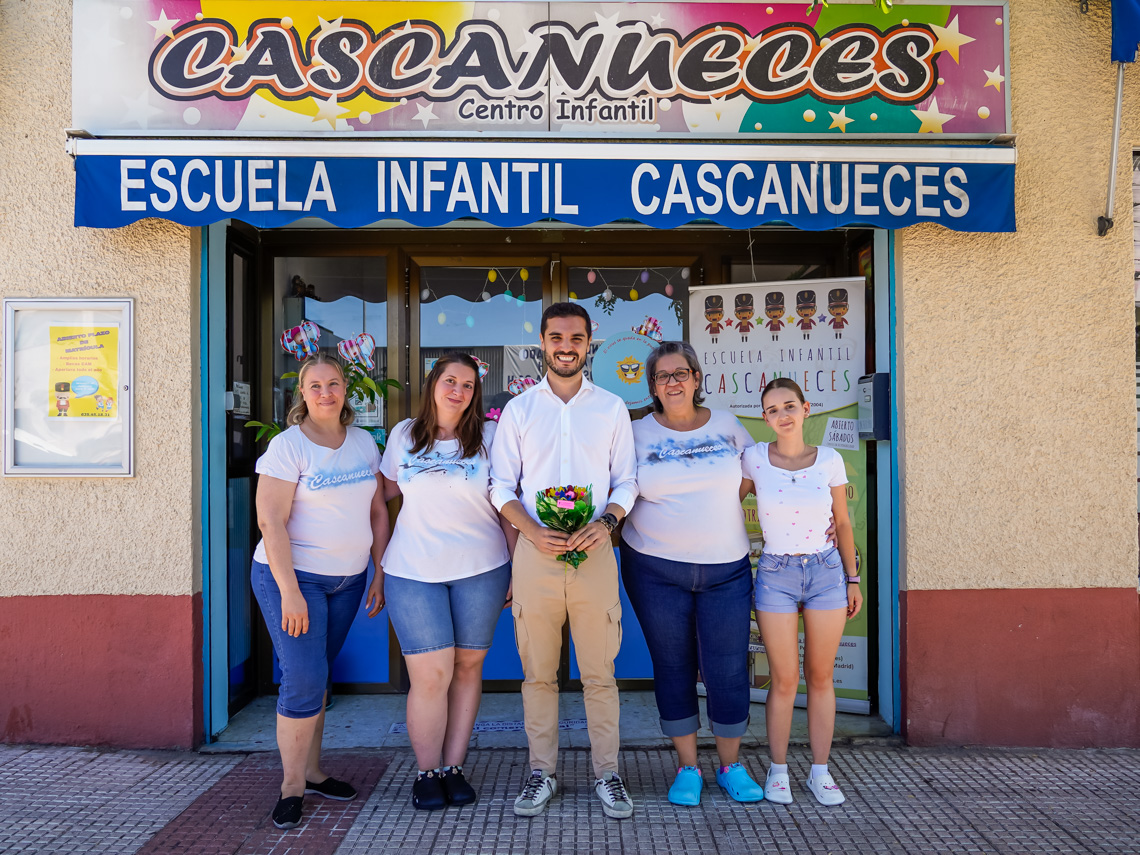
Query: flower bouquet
(566, 509)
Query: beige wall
(1017, 349)
(84, 536)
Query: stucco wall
(1017, 349)
(83, 536)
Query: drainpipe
(1103, 224)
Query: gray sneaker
(615, 800)
(536, 794)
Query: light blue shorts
(462, 613)
(786, 582)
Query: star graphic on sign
(328, 111)
(950, 38)
(240, 53)
(994, 78)
(164, 26)
(657, 21)
(407, 28)
(329, 25)
(139, 110)
(932, 120)
(840, 120)
(424, 114)
(752, 43)
(718, 105)
(607, 25)
(532, 42)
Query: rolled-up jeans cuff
(681, 726)
(728, 731)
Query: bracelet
(853, 580)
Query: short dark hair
(565, 310)
(667, 348)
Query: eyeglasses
(678, 376)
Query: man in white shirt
(566, 431)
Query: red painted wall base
(101, 670)
(1024, 667)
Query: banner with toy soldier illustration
(813, 331)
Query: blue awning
(270, 184)
(1125, 29)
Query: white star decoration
(932, 120)
(994, 78)
(607, 25)
(839, 120)
(329, 25)
(657, 21)
(328, 111)
(140, 110)
(424, 114)
(950, 38)
(532, 43)
(164, 26)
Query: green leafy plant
(884, 5)
(360, 385)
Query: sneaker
(287, 813)
(735, 780)
(536, 794)
(615, 800)
(331, 788)
(825, 790)
(686, 789)
(777, 788)
(427, 791)
(456, 788)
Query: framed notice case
(68, 381)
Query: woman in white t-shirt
(684, 561)
(321, 512)
(446, 573)
(799, 488)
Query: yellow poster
(83, 376)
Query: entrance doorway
(421, 293)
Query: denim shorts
(786, 582)
(461, 613)
(306, 661)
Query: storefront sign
(180, 67)
(813, 331)
(589, 185)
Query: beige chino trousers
(546, 592)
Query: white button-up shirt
(542, 442)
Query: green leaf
(289, 375)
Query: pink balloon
(591, 276)
(669, 290)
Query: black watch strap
(609, 521)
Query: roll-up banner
(813, 331)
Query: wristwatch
(853, 580)
(609, 521)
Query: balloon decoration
(684, 273)
(524, 274)
(301, 341)
(492, 275)
(358, 351)
(644, 276)
(520, 385)
(591, 277)
(651, 328)
(483, 366)
(669, 289)
(633, 293)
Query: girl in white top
(446, 573)
(321, 511)
(798, 488)
(684, 561)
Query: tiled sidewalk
(72, 800)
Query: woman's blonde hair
(299, 411)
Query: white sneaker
(615, 800)
(825, 790)
(536, 793)
(777, 788)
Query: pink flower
(494, 413)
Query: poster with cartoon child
(83, 372)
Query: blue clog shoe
(686, 789)
(739, 785)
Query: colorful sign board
(812, 330)
(518, 184)
(83, 372)
(714, 70)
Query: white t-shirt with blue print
(688, 507)
(447, 528)
(330, 528)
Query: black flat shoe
(287, 813)
(331, 788)
(427, 792)
(456, 788)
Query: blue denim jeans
(815, 580)
(306, 661)
(694, 614)
(461, 613)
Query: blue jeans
(306, 661)
(461, 613)
(815, 580)
(694, 614)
